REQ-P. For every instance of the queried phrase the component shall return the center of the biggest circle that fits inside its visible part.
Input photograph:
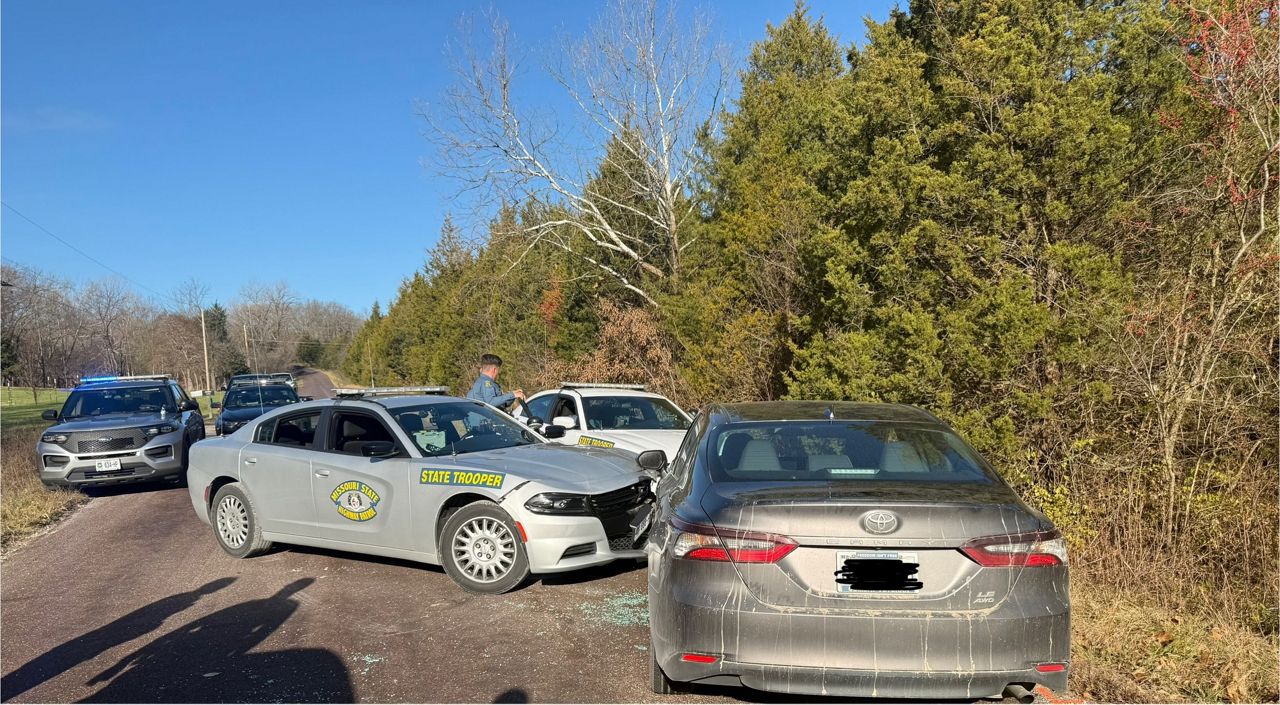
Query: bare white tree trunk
(645, 82)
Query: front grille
(104, 441)
(620, 500)
(622, 543)
(615, 510)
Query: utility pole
(247, 359)
(204, 335)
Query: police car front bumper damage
(557, 543)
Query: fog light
(55, 461)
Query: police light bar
(601, 385)
(386, 391)
(122, 378)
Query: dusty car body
(847, 549)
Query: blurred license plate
(106, 465)
(897, 556)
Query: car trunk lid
(895, 534)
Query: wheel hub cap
(484, 549)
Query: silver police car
(410, 473)
(119, 429)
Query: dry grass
(1127, 650)
(26, 504)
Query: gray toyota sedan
(849, 549)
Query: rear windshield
(127, 400)
(840, 451)
(632, 413)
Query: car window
(296, 430)
(252, 396)
(126, 400)
(541, 407)
(447, 428)
(827, 451)
(635, 413)
(680, 467)
(264, 431)
(349, 432)
(565, 406)
(178, 394)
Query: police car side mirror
(214, 405)
(189, 405)
(49, 415)
(652, 460)
(564, 421)
(553, 431)
(378, 449)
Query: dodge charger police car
(622, 416)
(410, 473)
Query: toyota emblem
(880, 522)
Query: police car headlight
(157, 430)
(557, 503)
(53, 438)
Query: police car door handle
(250, 461)
(322, 473)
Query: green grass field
(18, 410)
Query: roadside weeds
(26, 505)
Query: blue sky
(252, 141)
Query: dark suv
(119, 429)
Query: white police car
(410, 473)
(596, 415)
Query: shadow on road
(88, 646)
(586, 575)
(512, 695)
(208, 660)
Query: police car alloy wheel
(482, 551)
(234, 523)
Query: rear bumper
(923, 685)
(706, 609)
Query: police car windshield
(450, 428)
(92, 403)
(255, 396)
(632, 413)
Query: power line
(84, 254)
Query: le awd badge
(355, 500)
(466, 478)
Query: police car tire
(658, 681)
(519, 568)
(254, 544)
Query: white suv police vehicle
(622, 416)
(119, 429)
(409, 473)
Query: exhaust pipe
(1017, 692)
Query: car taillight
(1043, 548)
(699, 542)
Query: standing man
(486, 388)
